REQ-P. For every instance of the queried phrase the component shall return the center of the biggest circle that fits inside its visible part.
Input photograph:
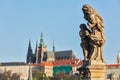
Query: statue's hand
(87, 33)
(91, 25)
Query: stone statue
(92, 41)
(96, 36)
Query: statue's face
(82, 26)
(92, 19)
(86, 8)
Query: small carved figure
(84, 34)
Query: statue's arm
(91, 24)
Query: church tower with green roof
(41, 52)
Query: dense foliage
(38, 75)
(8, 75)
(63, 76)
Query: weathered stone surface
(92, 38)
(97, 72)
(92, 41)
(93, 71)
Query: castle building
(118, 58)
(42, 55)
(16, 67)
(113, 70)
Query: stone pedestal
(93, 71)
(97, 71)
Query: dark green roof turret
(42, 41)
(53, 47)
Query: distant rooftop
(12, 63)
(65, 53)
(69, 62)
(112, 65)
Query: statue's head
(87, 9)
(83, 26)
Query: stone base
(94, 71)
(97, 71)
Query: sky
(58, 20)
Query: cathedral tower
(36, 52)
(29, 54)
(42, 51)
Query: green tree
(15, 76)
(8, 75)
(38, 75)
(63, 76)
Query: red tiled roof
(71, 62)
(112, 65)
(46, 64)
(43, 64)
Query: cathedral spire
(41, 39)
(53, 47)
(29, 53)
(29, 46)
